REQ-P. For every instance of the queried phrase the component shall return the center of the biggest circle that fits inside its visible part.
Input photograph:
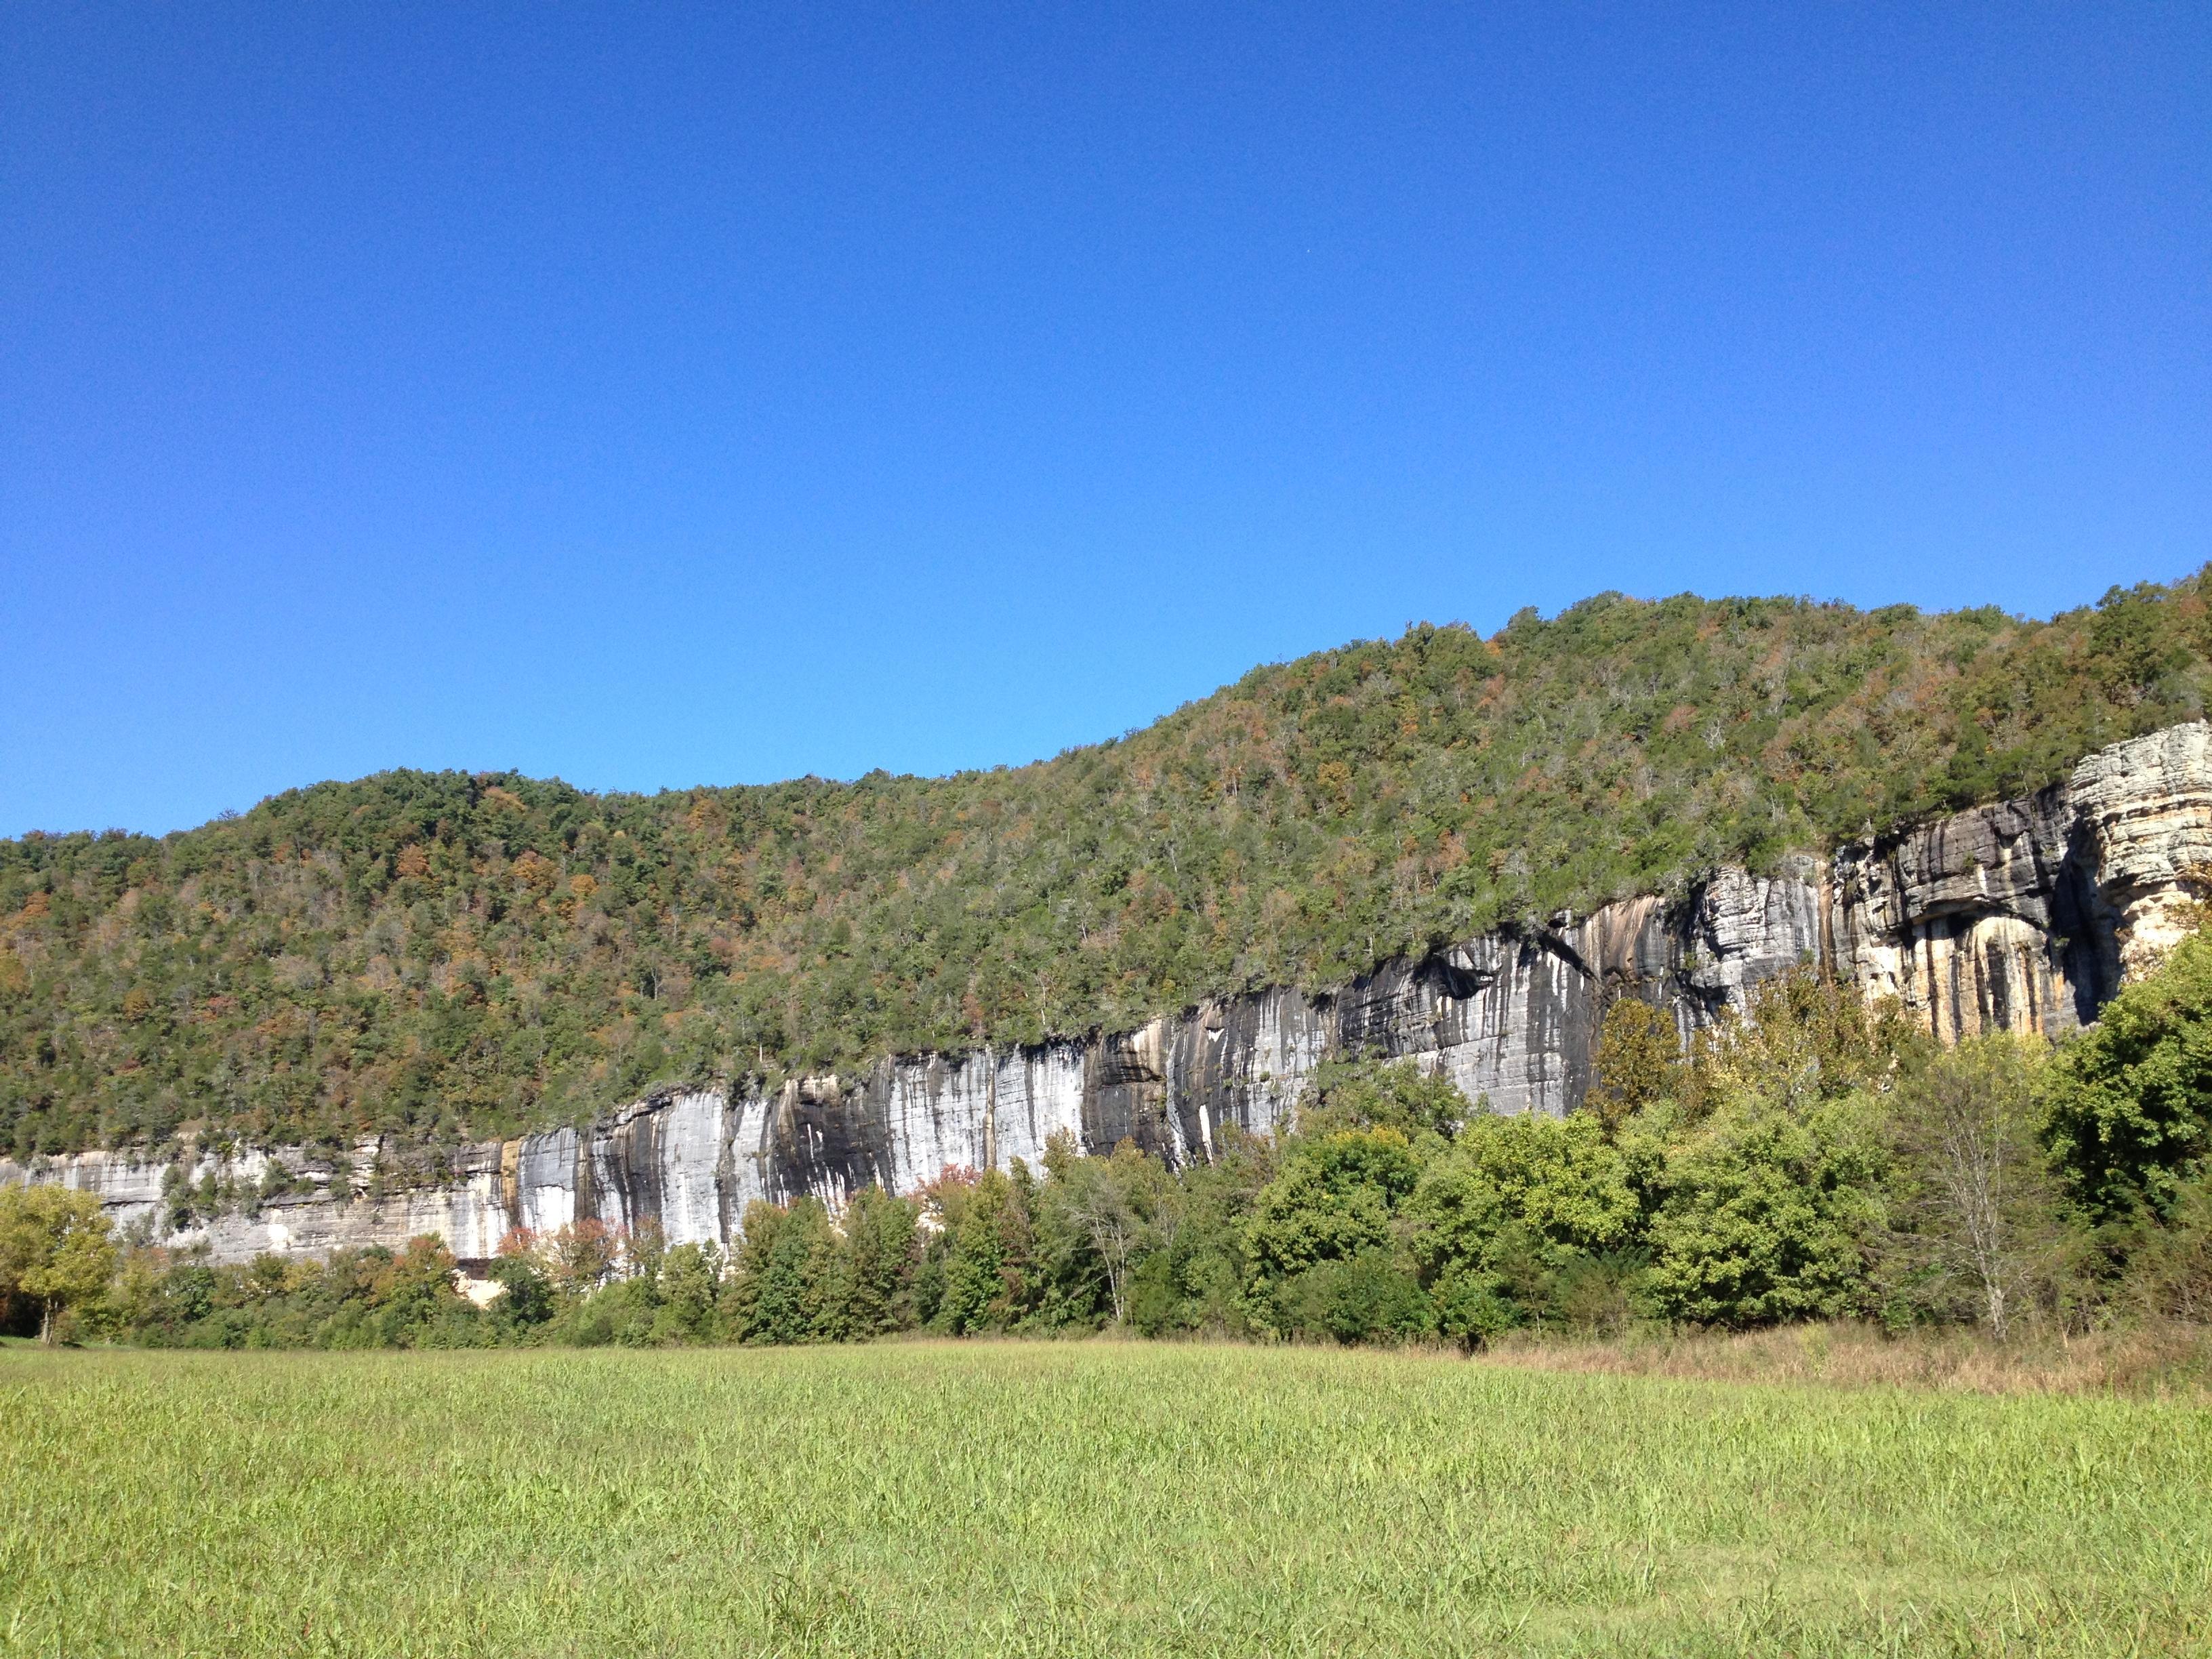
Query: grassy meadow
(1073, 1499)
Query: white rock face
(1748, 928)
(2024, 916)
(2146, 807)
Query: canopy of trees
(444, 954)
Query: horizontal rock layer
(2026, 915)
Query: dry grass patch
(2157, 1362)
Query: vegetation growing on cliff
(447, 954)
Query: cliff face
(2026, 915)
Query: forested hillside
(444, 954)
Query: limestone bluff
(2024, 915)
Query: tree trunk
(45, 1322)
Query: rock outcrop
(2024, 916)
(2028, 916)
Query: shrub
(1367, 1298)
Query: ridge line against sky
(654, 400)
(989, 766)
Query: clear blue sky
(655, 395)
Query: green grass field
(1072, 1498)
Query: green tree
(1638, 1061)
(785, 1287)
(690, 1283)
(879, 1235)
(1368, 1298)
(415, 1297)
(1096, 1216)
(1515, 1222)
(1335, 1199)
(54, 1248)
(1770, 1215)
(2131, 1109)
(984, 1238)
(2169, 1258)
(1199, 1276)
(526, 1298)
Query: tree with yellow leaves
(54, 1248)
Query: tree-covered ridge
(441, 954)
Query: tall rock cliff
(2024, 916)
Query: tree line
(1815, 1158)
